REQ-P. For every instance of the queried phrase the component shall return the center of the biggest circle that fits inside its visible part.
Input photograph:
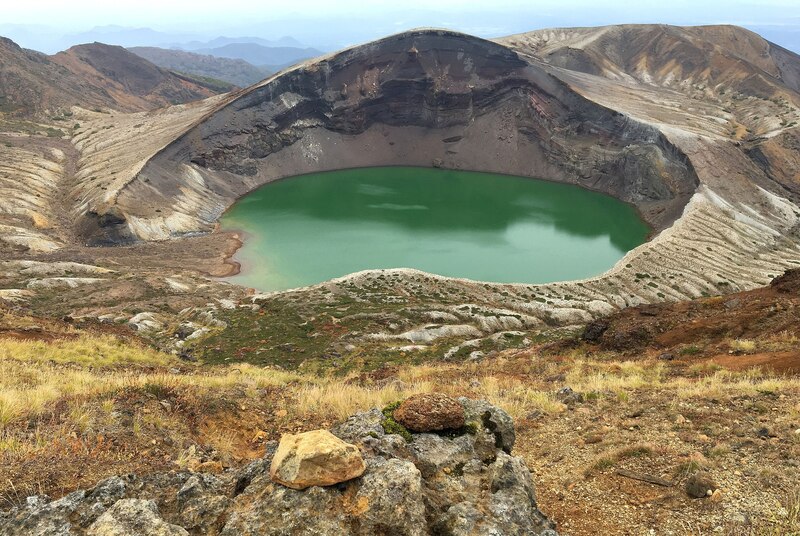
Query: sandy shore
(234, 242)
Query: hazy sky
(176, 14)
(333, 23)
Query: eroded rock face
(132, 517)
(430, 412)
(316, 458)
(424, 98)
(445, 485)
(493, 419)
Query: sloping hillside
(131, 81)
(615, 423)
(427, 97)
(722, 58)
(92, 76)
(31, 83)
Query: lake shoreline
(457, 225)
(234, 242)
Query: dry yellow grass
(111, 407)
(87, 350)
(341, 400)
(724, 383)
(516, 397)
(614, 376)
(746, 346)
(34, 375)
(785, 340)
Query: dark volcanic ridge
(713, 171)
(425, 97)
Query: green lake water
(482, 226)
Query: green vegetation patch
(391, 426)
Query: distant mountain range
(49, 40)
(239, 63)
(232, 70)
(235, 61)
(126, 37)
(324, 33)
(272, 58)
(285, 41)
(97, 75)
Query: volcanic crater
(715, 181)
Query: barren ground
(663, 405)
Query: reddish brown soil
(778, 362)
(707, 327)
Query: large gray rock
(492, 418)
(359, 426)
(203, 503)
(392, 498)
(459, 483)
(270, 509)
(39, 517)
(133, 517)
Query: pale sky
(173, 14)
(333, 23)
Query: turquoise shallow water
(312, 228)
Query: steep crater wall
(427, 98)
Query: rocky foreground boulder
(430, 412)
(316, 458)
(456, 482)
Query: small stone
(698, 458)
(700, 485)
(716, 496)
(765, 433)
(430, 412)
(36, 502)
(740, 518)
(316, 458)
(213, 467)
(477, 355)
(569, 397)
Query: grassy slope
(81, 403)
